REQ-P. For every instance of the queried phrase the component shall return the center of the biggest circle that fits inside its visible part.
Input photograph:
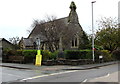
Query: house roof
(28, 42)
(3, 39)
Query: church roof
(36, 31)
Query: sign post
(38, 56)
(100, 58)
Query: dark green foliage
(45, 55)
(72, 54)
(87, 54)
(106, 55)
(108, 34)
(54, 55)
(98, 47)
(116, 54)
(29, 55)
(19, 53)
(78, 54)
(12, 52)
(84, 42)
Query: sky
(17, 16)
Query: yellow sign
(38, 58)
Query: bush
(87, 54)
(45, 55)
(78, 54)
(19, 53)
(72, 54)
(116, 54)
(29, 55)
(54, 55)
(106, 55)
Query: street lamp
(93, 33)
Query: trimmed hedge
(30, 55)
(78, 54)
(87, 54)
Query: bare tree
(53, 29)
(14, 40)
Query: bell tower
(73, 17)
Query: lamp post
(93, 33)
(38, 56)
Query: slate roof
(3, 39)
(35, 32)
(28, 42)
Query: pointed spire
(73, 6)
(73, 17)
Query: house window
(75, 43)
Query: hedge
(78, 54)
(87, 54)
(30, 55)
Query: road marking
(103, 76)
(48, 75)
(107, 75)
(85, 80)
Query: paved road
(75, 75)
(11, 74)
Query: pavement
(55, 67)
(108, 78)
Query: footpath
(55, 67)
(108, 78)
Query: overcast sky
(16, 16)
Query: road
(10, 74)
(75, 75)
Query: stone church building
(68, 24)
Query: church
(68, 34)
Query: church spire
(73, 6)
(73, 17)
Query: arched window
(75, 42)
